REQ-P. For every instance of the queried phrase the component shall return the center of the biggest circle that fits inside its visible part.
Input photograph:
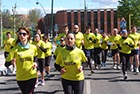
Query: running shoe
(131, 68)
(137, 70)
(103, 63)
(42, 82)
(48, 75)
(36, 85)
(92, 71)
(96, 67)
(8, 71)
(125, 77)
(118, 67)
(14, 71)
(115, 67)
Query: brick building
(103, 19)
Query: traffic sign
(123, 23)
(56, 28)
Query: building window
(75, 18)
(69, 20)
(102, 20)
(82, 22)
(95, 19)
(89, 18)
(115, 19)
(109, 21)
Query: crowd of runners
(74, 51)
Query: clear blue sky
(23, 6)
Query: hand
(38, 45)
(114, 44)
(90, 38)
(82, 42)
(126, 43)
(34, 65)
(62, 71)
(13, 61)
(80, 69)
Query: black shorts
(114, 51)
(6, 54)
(73, 86)
(41, 64)
(48, 60)
(134, 52)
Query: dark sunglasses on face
(61, 40)
(24, 34)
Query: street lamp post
(1, 22)
(52, 20)
(85, 8)
(14, 18)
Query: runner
(41, 56)
(7, 44)
(24, 55)
(68, 62)
(89, 46)
(65, 31)
(104, 47)
(60, 47)
(39, 32)
(113, 39)
(79, 37)
(48, 55)
(97, 49)
(135, 51)
(125, 46)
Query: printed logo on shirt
(25, 59)
(31, 53)
(69, 63)
(20, 55)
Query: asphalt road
(103, 81)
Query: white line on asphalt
(87, 87)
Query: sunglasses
(61, 40)
(75, 28)
(24, 34)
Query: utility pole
(1, 22)
(14, 18)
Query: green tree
(127, 7)
(34, 14)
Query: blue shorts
(134, 52)
(89, 52)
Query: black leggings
(97, 56)
(73, 86)
(125, 60)
(27, 87)
(104, 55)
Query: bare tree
(34, 14)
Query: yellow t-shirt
(41, 54)
(24, 62)
(79, 38)
(135, 37)
(125, 48)
(8, 44)
(14, 43)
(71, 61)
(58, 49)
(49, 49)
(59, 36)
(115, 40)
(104, 41)
(88, 43)
(97, 38)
